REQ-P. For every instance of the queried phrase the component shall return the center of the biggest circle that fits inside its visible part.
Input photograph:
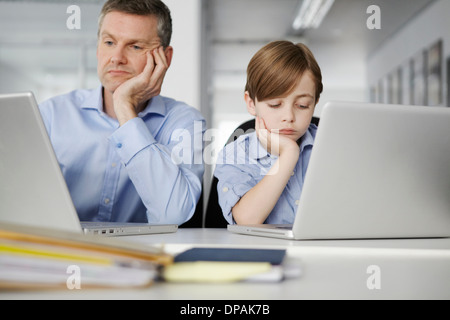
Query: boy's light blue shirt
(126, 174)
(243, 163)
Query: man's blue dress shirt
(241, 165)
(127, 174)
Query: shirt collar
(156, 105)
(95, 101)
(307, 139)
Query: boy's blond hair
(275, 70)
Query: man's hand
(131, 96)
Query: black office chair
(197, 219)
(214, 217)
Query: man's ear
(168, 52)
(251, 108)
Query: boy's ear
(250, 104)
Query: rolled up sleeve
(235, 177)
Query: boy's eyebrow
(305, 95)
(308, 95)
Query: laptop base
(125, 229)
(280, 231)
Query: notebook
(33, 191)
(376, 171)
(220, 265)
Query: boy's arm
(256, 205)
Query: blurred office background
(404, 62)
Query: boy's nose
(289, 115)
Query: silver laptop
(376, 171)
(33, 191)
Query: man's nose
(118, 56)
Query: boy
(263, 182)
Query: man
(114, 144)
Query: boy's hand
(256, 205)
(132, 94)
(272, 141)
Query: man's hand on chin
(132, 96)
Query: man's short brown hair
(143, 8)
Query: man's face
(124, 40)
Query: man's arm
(169, 189)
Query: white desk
(407, 269)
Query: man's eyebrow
(106, 34)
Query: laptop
(33, 191)
(376, 171)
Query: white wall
(39, 53)
(182, 80)
(420, 33)
(344, 71)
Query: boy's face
(290, 114)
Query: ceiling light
(311, 14)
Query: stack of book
(36, 258)
(39, 258)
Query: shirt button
(293, 173)
(297, 202)
(225, 189)
(107, 201)
(114, 165)
(119, 145)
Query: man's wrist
(125, 111)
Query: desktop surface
(341, 269)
